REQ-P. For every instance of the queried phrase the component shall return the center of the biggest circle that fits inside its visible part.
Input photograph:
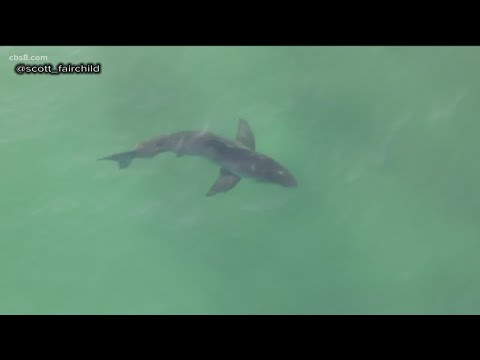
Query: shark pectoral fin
(245, 135)
(225, 182)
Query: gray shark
(236, 158)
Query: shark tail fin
(124, 159)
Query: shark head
(265, 169)
(280, 175)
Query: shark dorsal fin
(245, 134)
(225, 182)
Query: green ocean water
(382, 140)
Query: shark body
(236, 158)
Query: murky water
(383, 142)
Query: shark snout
(289, 181)
(285, 178)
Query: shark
(236, 158)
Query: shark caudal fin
(124, 159)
